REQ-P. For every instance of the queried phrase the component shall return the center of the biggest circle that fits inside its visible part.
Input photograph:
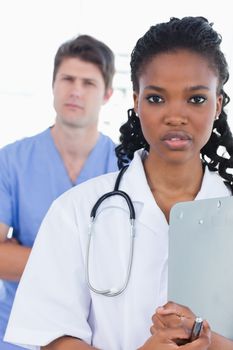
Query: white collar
(134, 183)
(212, 186)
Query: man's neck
(74, 146)
(74, 142)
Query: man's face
(79, 92)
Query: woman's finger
(201, 343)
(158, 321)
(176, 309)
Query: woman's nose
(176, 115)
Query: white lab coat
(53, 298)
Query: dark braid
(131, 139)
(221, 137)
(197, 35)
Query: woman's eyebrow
(154, 87)
(190, 88)
(198, 87)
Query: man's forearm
(70, 343)
(13, 258)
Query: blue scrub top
(32, 175)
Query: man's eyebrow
(89, 79)
(66, 75)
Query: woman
(95, 291)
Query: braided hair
(197, 35)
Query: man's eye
(89, 82)
(197, 99)
(67, 78)
(155, 99)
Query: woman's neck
(172, 183)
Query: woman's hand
(164, 338)
(174, 315)
(171, 313)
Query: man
(36, 170)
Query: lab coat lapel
(134, 183)
(212, 186)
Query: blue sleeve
(5, 189)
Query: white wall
(32, 30)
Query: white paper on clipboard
(200, 263)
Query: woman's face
(177, 104)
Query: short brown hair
(88, 49)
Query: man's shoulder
(24, 143)
(105, 139)
(93, 187)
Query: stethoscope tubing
(113, 291)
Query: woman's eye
(155, 99)
(197, 99)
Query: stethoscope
(112, 292)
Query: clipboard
(200, 260)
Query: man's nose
(77, 89)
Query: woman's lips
(176, 140)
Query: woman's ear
(218, 106)
(135, 99)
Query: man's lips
(73, 105)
